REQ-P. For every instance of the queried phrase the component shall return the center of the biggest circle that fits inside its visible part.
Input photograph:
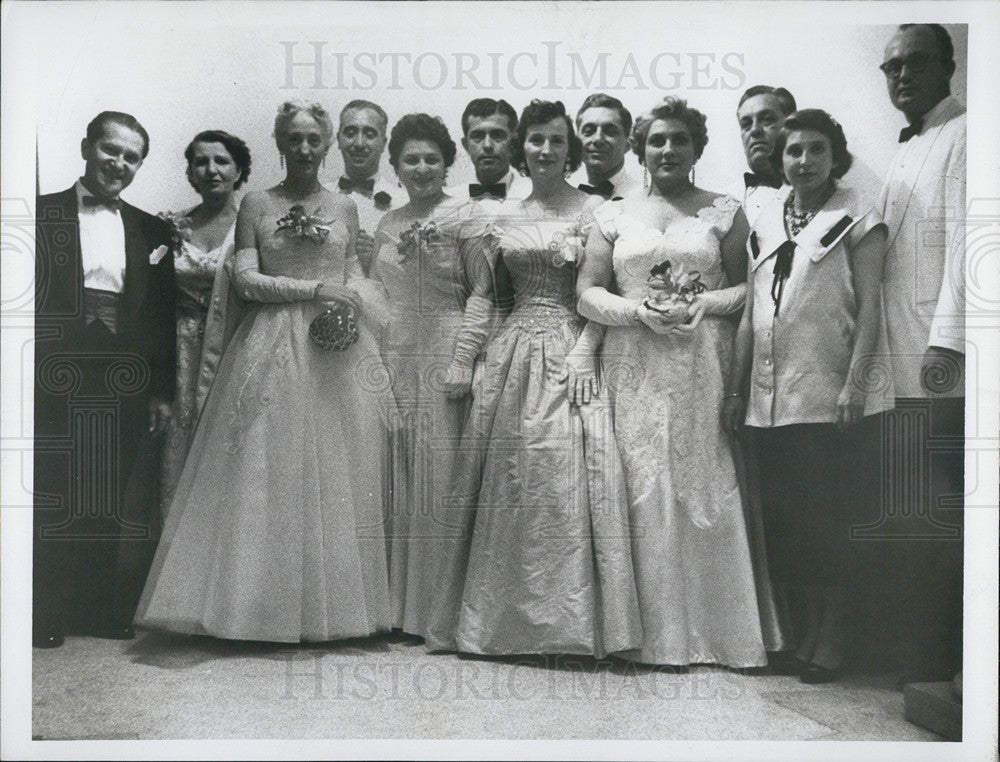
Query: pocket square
(157, 254)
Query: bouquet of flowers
(417, 238)
(303, 225)
(670, 288)
(180, 229)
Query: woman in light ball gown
(275, 532)
(217, 165)
(416, 261)
(665, 372)
(538, 559)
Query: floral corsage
(303, 225)
(568, 245)
(417, 238)
(180, 229)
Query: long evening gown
(195, 271)
(540, 560)
(693, 565)
(426, 288)
(275, 532)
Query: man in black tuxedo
(105, 359)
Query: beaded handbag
(335, 329)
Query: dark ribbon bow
(365, 186)
(782, 269)
(605, 188)
(497, 190)
(114, 204)
(911, 131)
(753, 180)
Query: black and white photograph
(473, 380)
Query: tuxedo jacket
(146, 324)
(923, 205)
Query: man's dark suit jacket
(91, 437)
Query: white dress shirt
(626, 181)
(518, 187)
(370, 208)
(923, 205)
(102, 244)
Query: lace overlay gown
(693, 565)
(275, 532)
(195, 273)
(541, 561)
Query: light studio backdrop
(183, 68)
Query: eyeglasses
(915, 62)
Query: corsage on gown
(539, 560)
(275, 532)
(195, 270)
(426, 289)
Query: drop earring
(567, 170)
(692, 174)
(281, 160)
(645, 179)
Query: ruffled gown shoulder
(694, 572)
(276, 528)
(539, 560)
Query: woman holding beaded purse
(275, 532)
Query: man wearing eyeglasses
(923, 205)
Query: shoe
(114, 632)
(784, 663)
(47, 637)
(814, 674)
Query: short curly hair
(289, 109)
(421, 127)
(236, 148)
(541, 112)
(671, 108)
(820, 121)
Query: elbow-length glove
(253, 285)
(601, 306)
(469, 342)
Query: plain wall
(182, 68)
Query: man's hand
(943, 371)
(159, 416)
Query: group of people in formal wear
(581, 405)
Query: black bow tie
(752, 180)
(604, 188)
(114, 204)
(497, 190)
(365, 187)
(911, 131)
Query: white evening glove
(723, 301)
(253, 285)
(581, 365)
(601, 306)
(470, 340)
